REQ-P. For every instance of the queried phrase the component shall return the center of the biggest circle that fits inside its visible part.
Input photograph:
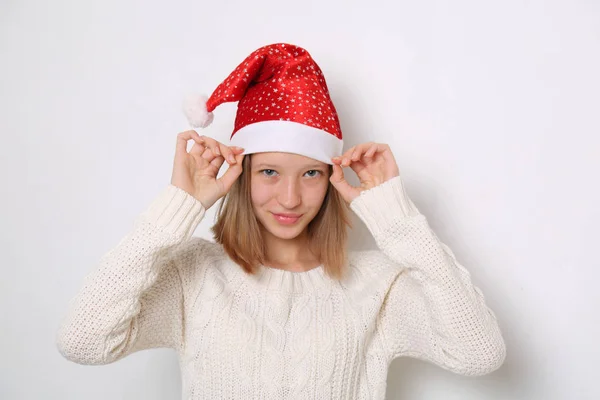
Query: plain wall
(491, 110)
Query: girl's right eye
(267, 172)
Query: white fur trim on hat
(288, 137)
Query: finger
(197, 149)
(208, 154)
(388, 155)
(218, 161)
(342, 162)
(354, 153)
(232, 173)
(183, 138)
(359, 168)
(359, 151)
(220, 149)
(338, 174)
(227, 153)
(372, 150)
(339, 182)
(346, 157)
(212, 144)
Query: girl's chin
(283, 231)
(286, 232)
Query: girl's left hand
(374, 164)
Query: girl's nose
(290, 195)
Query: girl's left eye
(315, 172)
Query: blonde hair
(238, 231)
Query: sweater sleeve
(432, 310)
(133, 299)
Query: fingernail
(231, 159)
(345, 161)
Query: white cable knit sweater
(283, 335)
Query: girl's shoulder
(370, 266)
(370, 259)
(196, 253)
(196, 249)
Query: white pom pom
(194, 107)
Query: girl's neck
(290, 254)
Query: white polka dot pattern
(279, 82)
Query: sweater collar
(280, 280)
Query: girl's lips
(286, 220)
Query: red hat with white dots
(284, 105)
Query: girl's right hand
(196, 171)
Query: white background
(491, 109)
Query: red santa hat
(284, 105)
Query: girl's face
(287, 191)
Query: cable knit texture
(282, 334)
